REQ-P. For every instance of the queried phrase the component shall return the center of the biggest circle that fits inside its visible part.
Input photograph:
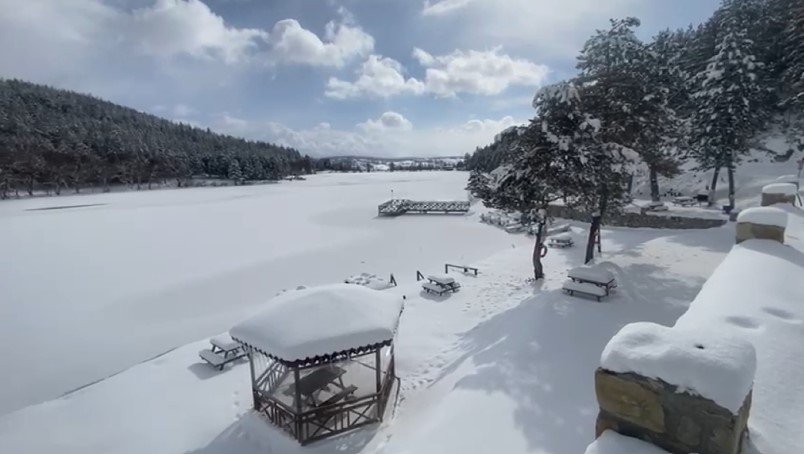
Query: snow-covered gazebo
(322, 359)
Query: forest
(700, 95)
(54, 140)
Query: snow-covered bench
(224, 350)
(431, 287)
(595, 276)
(684, 201)
(583, 288)
(561, 241)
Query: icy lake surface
(91, 290)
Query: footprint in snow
(743, 322)
(782, 314)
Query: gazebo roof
(303, 325)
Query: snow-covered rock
(720, 368)
(764, 216)
(321, 321)
(780, 188)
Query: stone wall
(769, 199)
(750, 231)
(656, 412)
(637, 220)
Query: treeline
(52, 140)
(713, 88)
(491, 156)
(700, 94)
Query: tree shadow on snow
(544, 352)
(253, 434)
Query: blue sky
(329, 77)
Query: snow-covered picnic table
(593, 275)
(684, 201)
(440, 284)
(224, 350)
(561, 241)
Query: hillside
(54, 139)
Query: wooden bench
(218, 360)
(593, 275)
(431, 287)
(339, 396)
(466, 269)
(561, 241)
(573, 287)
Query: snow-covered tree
(478, 185)
(729, 98)
(235, 173)
(627, 85)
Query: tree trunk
(731, 185)
(31, 181)
(713, 187)
(538, 269)
(654, 184)
(594, 229)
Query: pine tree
(234, 173)
(478, 185)
(729, 108)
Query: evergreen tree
(729, 108)
(235, 173)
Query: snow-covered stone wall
(635, 220)
(779, 193)
(762, 223)
(682, 390)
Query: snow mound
(610, 442)
(780, 188)
(764, 216)
(720, 368)
(369, 280)
(321, 321)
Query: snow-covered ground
(501, 366)
(87, 292)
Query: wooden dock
(396, 207)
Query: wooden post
(378, 365)
(253, 378)
(298, 391)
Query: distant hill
(55, 139)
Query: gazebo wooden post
(253, 379)
(298, 422)
(378, 371)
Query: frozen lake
(89, 291)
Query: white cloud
(476, 72)
(175, 27)
(378, 77)
(443, 7)
(549, 28)
(388, 121)
(484, 73)
(289, 42)
(389, 135)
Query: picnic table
(561, 241)
(684, 201)
(320, 380)
(224, 350)
(440, 284)
(593, 275)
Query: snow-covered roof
(780, 188)
(321, 321)
(717, 367)
(764, 216)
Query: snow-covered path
(501, 366)
(87, 292)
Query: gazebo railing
(325, 421)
